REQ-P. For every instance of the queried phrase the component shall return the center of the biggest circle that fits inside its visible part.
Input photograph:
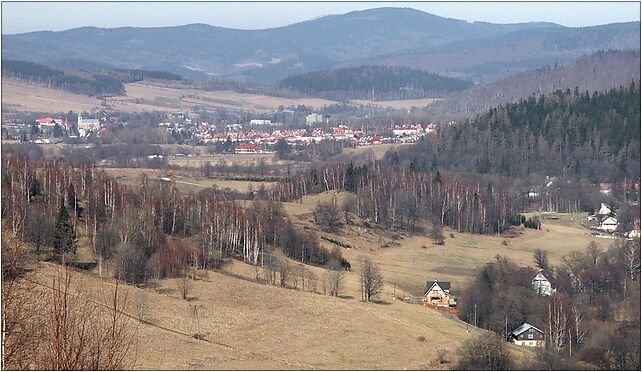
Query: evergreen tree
(64, 233)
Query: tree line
(400, 198)
(148, 230)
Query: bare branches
(333, 278)
(370, 279)
(184, 286)
(80, 334)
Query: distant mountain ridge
(391, 36)
(594, 72)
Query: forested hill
(594, 72)
(387, 82)
(567, 133)
(91, 83)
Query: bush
(131, 264)
(533, 223)
(336, 242)
(326, 216)
(486, 353)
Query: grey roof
(549, 276)
(523, 328)
(443, 285)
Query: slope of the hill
(574, 134)
(389, 83)
(595, 72)
(99, 82)
(254, 326)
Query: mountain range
(477, 51)
(597, 71)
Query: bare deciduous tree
(285, 270)
(184, 285)
(333, 278)
(81, 334)
(556, 323)
(141, 306)
(370, 279)
(540, 257)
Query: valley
(380, 189)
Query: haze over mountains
(476, 51)
(598, 71)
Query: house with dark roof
(544, 283)
(527, 335)
(437, 294)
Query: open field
(405, 104)
(184, 183)
(377, 151)
(229, 159)
(414, 259)
(143, 97)
(27, 97)
(189, 98)
(253, 326)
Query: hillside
(567, 133)
(74, 82)
(392, 36)
(254, 326)
(386, 83)
(80, 81)
(595, 72)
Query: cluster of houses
(253, 141)
(437, 296)
(82, 127)
(605, 221)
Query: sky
(18, 17)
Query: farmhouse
(544, 283)
(608, 224)
(437, 294)
(527, 335)
(604, 212)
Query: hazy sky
(35, 16)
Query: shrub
(486, 352)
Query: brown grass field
(184, 183)
(26, 97)
(411, 261)
(376, 151)
(254, 326)
(145, 96)
(229, 159)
